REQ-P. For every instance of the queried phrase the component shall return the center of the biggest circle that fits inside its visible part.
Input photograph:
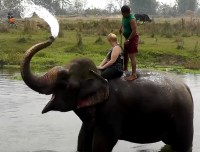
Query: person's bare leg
(126, 61)
(133, 63)
(133, 75)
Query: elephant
(157, 106)
(142, 17)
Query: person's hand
(99, 67)
(126, 42)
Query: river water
(24, 129)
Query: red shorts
(132, 46)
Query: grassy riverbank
(172, 45)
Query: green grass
(164, 52)
(158, 47)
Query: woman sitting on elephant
(112, 66)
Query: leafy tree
(64, 3)
(110, 6)
(45, 3)
(144, 6)
(55, 6)
(165, 9)
(120, 3)
(10, 4)
(1, 4)
(184, 5)
(78, 5)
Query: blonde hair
(112, 37)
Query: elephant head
(73, 86)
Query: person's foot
(126, 73)
(131, 77)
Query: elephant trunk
(42, 84)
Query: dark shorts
(132, 46)
(111, 73)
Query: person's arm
(133, 28)
(115, 54)
(103, 62)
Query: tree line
(65, 7)
(154, 7)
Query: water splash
(28, 8)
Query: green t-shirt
(126, 26)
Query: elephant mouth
(57, 104)
(93, 99)
(83, 103)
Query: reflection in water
(24, 129)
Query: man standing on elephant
(129, 30)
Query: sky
(103, 3)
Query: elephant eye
(64, 77)
(63, 82)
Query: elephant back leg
(180, 136)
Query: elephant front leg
(104, 140)
(85, 139)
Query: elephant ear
(93, 91)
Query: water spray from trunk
(28, 8)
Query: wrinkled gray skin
(155, 107)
